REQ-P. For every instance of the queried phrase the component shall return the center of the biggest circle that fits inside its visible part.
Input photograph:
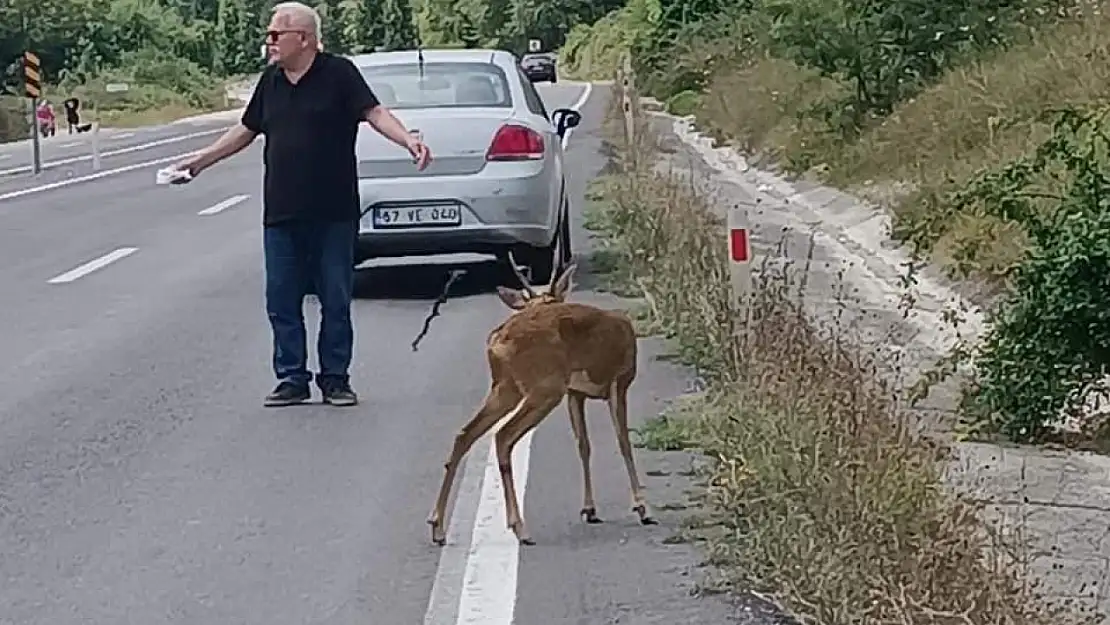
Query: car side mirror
(565, 119)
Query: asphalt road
(142, 481)
(71, 156)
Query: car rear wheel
(542, 261)
(566, 253)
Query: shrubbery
(940, 111)
(1050, 339)
(820, 491)
(882, 52)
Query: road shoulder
(1052, 497)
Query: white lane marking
(127, 150)
(224, 205)
(123, 135)
(93, 265)
(576, 106)
(447, 587)
(100, 174)
(5, 156)
(71, 144)
(489, 563)
(489, 584)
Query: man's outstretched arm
(236, 138)
(364, 106)
(230, 143)
(388, 125)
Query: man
(309, 104)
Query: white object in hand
(171, 175)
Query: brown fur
(547, 349)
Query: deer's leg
(576, 407)
(535, 408)
(501, 399)
(618, 412)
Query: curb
(228, 115)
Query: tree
(233, 30)
(361, 25)
(397, 23)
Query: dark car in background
(539, 67)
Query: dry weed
(763, 107)
(820, 493)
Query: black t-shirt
(311, 172)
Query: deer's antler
(556, 273)
(520, 276)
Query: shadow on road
(425, 282)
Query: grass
(144, 105)
(980, 115)
(821, 491)
(154, 116)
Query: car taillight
(515, 143)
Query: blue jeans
(299, 255)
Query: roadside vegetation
(980, 126)
(820, 490)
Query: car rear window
(444, 85)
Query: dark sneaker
(339, 394)
(287, 394)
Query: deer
(546, 349)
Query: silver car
(496, 181)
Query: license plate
(417, 217)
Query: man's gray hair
(302, 11)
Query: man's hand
(191, 164)
(421, 155)
(231, 142)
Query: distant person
(47, 121)
(310, 195)
(73, 119)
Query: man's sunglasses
(273, 35)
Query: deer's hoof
(645, 519)
(590, 515)
(438, 536)
(527, 541)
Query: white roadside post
(740, 259)
(627, 82)
(96, 144)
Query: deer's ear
(564, 284)
(513, 299)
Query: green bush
(593, 51)
(1051, 337)
(155, 80)
(684, 103)
(13, 120)
(886, 52)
